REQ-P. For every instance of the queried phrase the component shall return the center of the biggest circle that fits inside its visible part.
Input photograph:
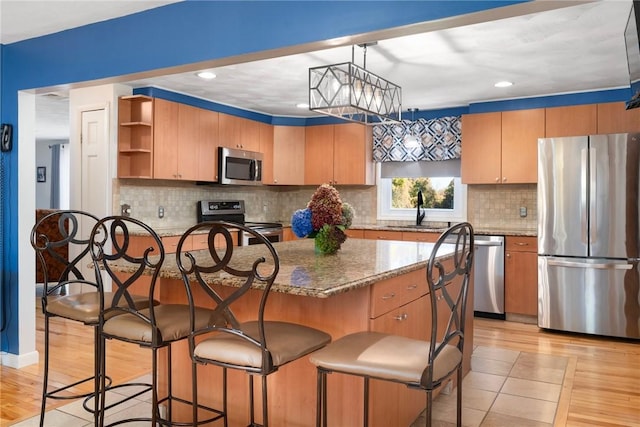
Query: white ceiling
(577, 47)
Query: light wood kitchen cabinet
(382, 235)
(418, 236)
(185, 142)
(288, 234)
(614, 118)
(520, 132)
(239, 133)
(288, 152)
(481, 148)
(356, 233)
(521, 275)
(135, 136)
(265, 137)
(501, 148)
(575, 120)
(339, 154)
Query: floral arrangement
(325, 218)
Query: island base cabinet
(292, 389)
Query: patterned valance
(440, 139)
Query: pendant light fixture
(353, 93)
(410, 139)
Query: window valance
(439, 139)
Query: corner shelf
(135, 136)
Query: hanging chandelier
(351, 92)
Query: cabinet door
(576, 120)
(418, 236)
(521, 276)
(266, 148)
(613, 117)
(228, 130)
(288, 155)
(481, 148)
(165, 139)
(353, 154)
(207, 146)
(187, 147)
(249, 134)
(520, 132)
(318, 155)
(395, 404)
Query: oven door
(272, 235)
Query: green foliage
(404, 193)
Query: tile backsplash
(499, 206)
(266, 203)
(488, 206)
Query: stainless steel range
(233, 211)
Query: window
(445, 198)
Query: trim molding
(19, 361)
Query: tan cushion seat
(285, 341)
(387, 357)
(172, 321)
(85, 307)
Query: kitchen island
(367, 285)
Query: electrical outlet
(160, 212)
(523, 211)
(125, 209)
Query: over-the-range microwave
(239, 166)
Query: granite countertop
(358, 263)
(429, 229)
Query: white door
(94, 143)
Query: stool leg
(429, 413)
(366, 401)
(265, 405)
(45, 379)
(224, 397)
(252, 418)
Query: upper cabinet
(575, 120)
(185, 142)
(501, 148)
(339, 155)
(287, 166)
(239, 133)
(135, 136)
(614, 118)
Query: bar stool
(422, 365)
(254, 345)
(154, 327)
(61, 245)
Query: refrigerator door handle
(593, 178)
(600, 266)
(584, 226)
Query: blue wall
(173, 35)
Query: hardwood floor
(601, 386)
(71, 360)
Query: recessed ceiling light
(207, 75)
(503, 83)
(302, 105)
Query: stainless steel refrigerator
(589, 234)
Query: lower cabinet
(521, 275)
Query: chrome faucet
(420, 213)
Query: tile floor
(504, 388)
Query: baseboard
(19, 361)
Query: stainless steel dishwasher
(488, 276)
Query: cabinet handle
(401, 317)
(521, 244)
(508, 255)
(388, 296)
(504, 179)
(411, 287)
(498, 179)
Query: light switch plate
(523, 211)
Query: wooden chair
(421, 365)
(157, 325)
(254, 345)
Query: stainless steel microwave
(239, 166)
